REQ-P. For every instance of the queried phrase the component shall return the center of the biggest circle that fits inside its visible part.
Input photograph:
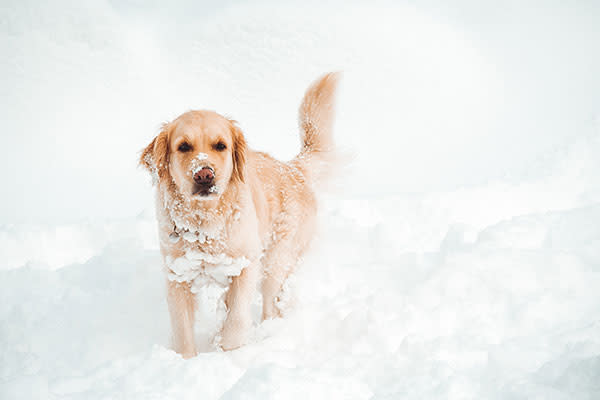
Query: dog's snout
(204, 176)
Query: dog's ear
(155, 157)
(239, 152)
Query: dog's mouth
(205, 190)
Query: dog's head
(202, 152)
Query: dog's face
(201, 151)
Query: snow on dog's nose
(204, 176)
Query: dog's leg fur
(182, 304)
(271, 289)
(279, 263)
(238, 301)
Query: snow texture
(459, 260)
(458, 294)
(202, 268)
(197, 163)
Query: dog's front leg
(238, 301)
(181, 307)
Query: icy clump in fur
(199, 162)
(202, 268)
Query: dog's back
(284, 192)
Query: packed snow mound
(483, 292)
(506, 310)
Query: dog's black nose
(204, 176)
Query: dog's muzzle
(204, 182)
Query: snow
(459, 256)
(422, 303)
(197, 163)
(202, 268)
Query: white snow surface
(488, 292)
(457, 258)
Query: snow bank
(483, 292)
(514, 313)
(54, 246)
(419, 303)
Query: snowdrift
(401, 296)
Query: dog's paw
(189, 354)
(235, 333)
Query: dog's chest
(203, 259)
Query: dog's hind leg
(279, 263)
(271, 289)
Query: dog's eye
(219, 146)
(184, 147)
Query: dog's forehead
(201, 123)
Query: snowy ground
(467, 268)
(489, 292)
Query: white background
(435, 96)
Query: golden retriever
(233, 216)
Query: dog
(234, 216)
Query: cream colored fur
(261, 217)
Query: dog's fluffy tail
(315, 119)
